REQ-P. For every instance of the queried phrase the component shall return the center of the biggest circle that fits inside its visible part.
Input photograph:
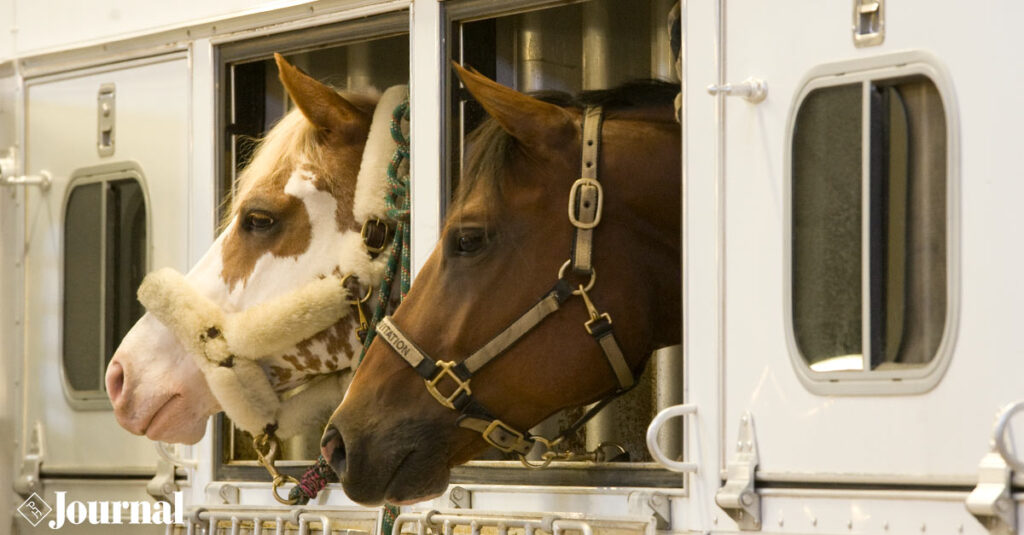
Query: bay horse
(291, 216)
(486, 290)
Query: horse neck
(643, 166)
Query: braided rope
(397, 209)
(397, 203)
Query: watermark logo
(34, 509)
(97, 512)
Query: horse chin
(419, 475)
(176, 422)
(396, 461)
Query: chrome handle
(8, 165)
(754, 90)
(999, 435)
(652, 437)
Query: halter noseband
(585, 208)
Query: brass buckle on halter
(446, 370)
(500, 426)
(375, 234)
(576, 193)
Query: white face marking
(161, 378)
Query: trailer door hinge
(28, 480)
(990, 502)
(656, 505)
(738, 497)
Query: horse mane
(290, 143)
(494, 149)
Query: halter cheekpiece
(585, 208)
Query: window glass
(104, 261)
(827, 226)
(83, 268)
(879, 230)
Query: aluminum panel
(61, 138)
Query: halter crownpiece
(584, 210)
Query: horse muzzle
(405, 463)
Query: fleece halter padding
(227, 346)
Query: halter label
(396, 340)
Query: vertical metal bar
(428, 87)
(104, 191)
(668, 368)
(360, 66)
(865, 230)
(661, 49)
(235, 524)
(721, 220)
(684, 346)
(877, 216)
(548, 49)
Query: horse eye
(258, 221)
(470, 242)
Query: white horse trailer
(849, 262)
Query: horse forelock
(307, 180)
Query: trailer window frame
(867, 72)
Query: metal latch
(105, 119)
(28, 480)
(9, 176)
(868, 22)
(738, 497)
(753, 90)
(990, 502)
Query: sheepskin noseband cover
(227, 346)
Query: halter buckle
(376, 234)
(446, 370)
(511, 436)
(585, 191)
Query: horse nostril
(115, 380)
(333, 449)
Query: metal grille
(236, 520)
(503, 523)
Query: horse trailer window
(870, 280)
(591, 45)
(105, 244)
(370, 54)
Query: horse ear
(322, 105)
(533, 122)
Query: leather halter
(585, 208)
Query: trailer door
(845, 329)
(115, 142)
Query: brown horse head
(291, 214)
(504, 240)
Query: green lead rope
(397, 202)
(397, 209)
